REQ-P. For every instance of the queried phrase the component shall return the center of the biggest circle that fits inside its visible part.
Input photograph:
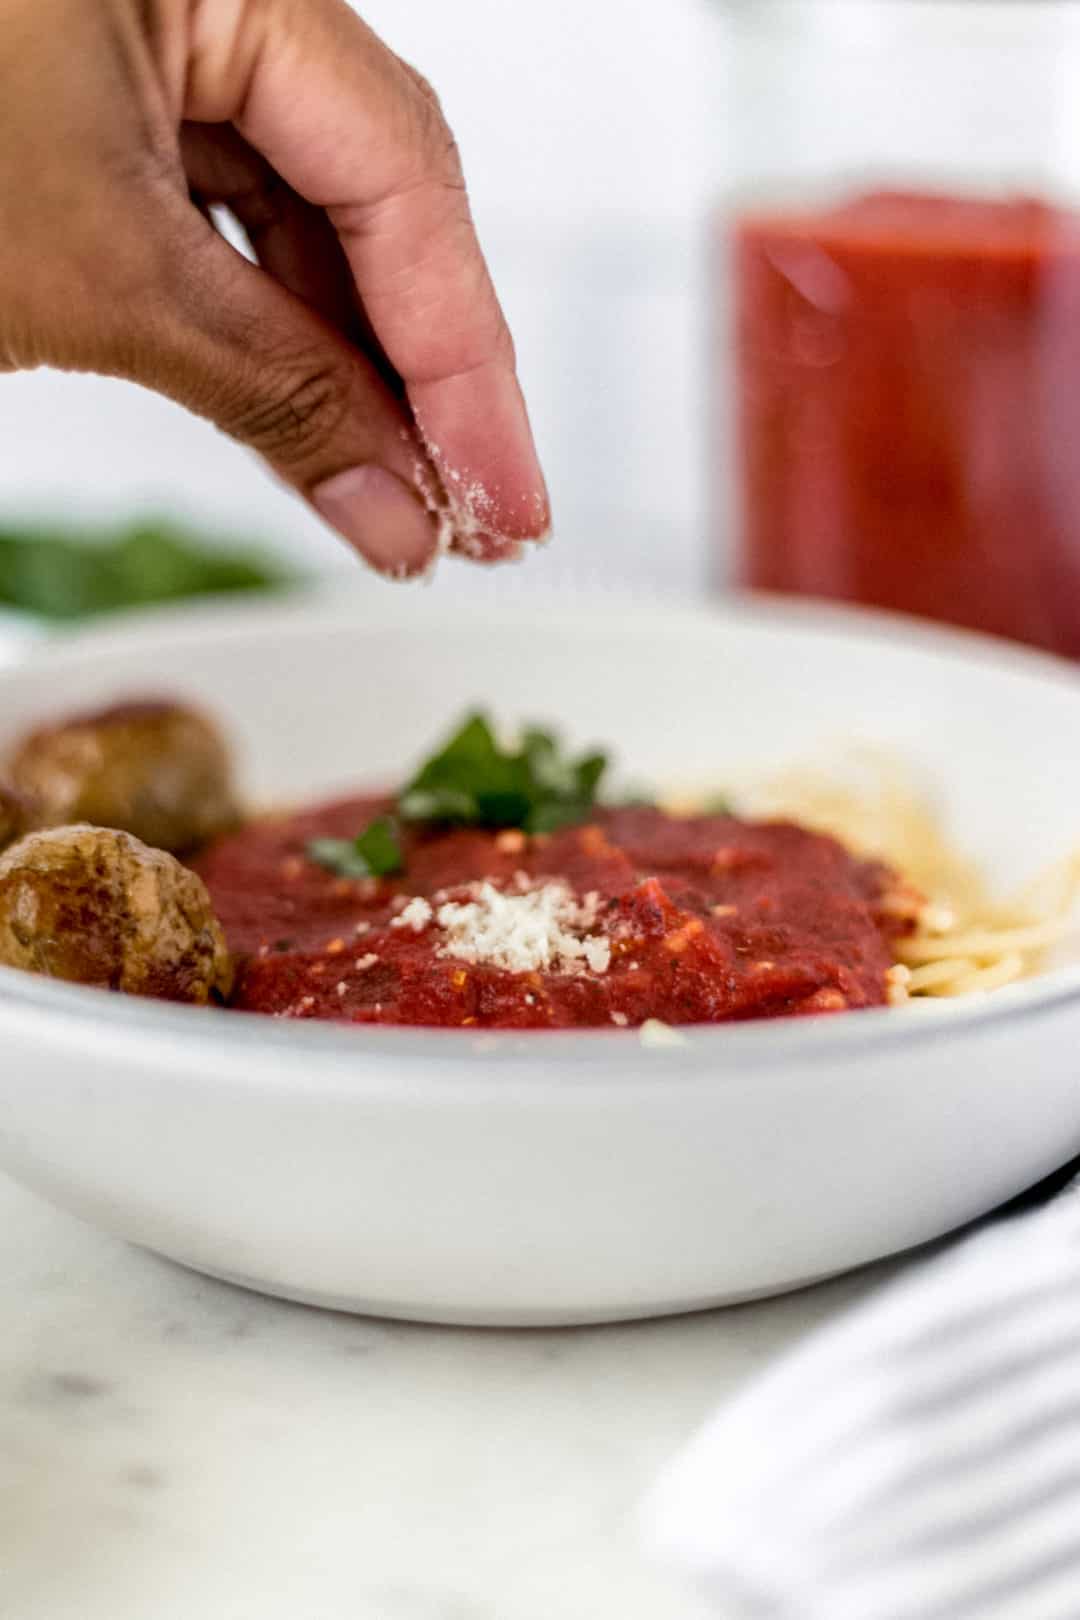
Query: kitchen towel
(918, 1459)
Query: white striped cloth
(919, 1459)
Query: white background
(581, 124)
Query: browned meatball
(157, 770)
(96, 906)
(14, 815)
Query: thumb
(232, 344)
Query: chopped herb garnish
(474, 781)
(717, 804)
(375, 853)
(63, 573)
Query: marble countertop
(176, 1449)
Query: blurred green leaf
(61, 573)
(474, 781)
(375, 853)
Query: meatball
(15, 816)
(157, 770)
(96, 906)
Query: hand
(365, 356)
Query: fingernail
(377, 512)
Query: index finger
(355, 131)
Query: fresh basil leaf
(589, 772)
(338, 855)
(65, 573)
(380, 846)
(474, 781)
(553, 814)
(550, 773)
(436, 804)
(375, 853)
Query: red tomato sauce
(708, 919)
(908, 401)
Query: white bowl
(550, 1178)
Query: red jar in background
(908, 419)
(899, 363)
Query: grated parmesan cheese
(525, 931)
(415, 915)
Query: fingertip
(491, 488)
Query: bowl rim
(105, 1021)
(347, 606)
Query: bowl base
(487, 1316)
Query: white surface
(507, 1178)
(174, 1449)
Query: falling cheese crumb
(543, 928)
(654, 1032)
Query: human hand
(365, 356)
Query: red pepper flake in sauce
(825, 1001)
(677, 942)
(724, 859)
